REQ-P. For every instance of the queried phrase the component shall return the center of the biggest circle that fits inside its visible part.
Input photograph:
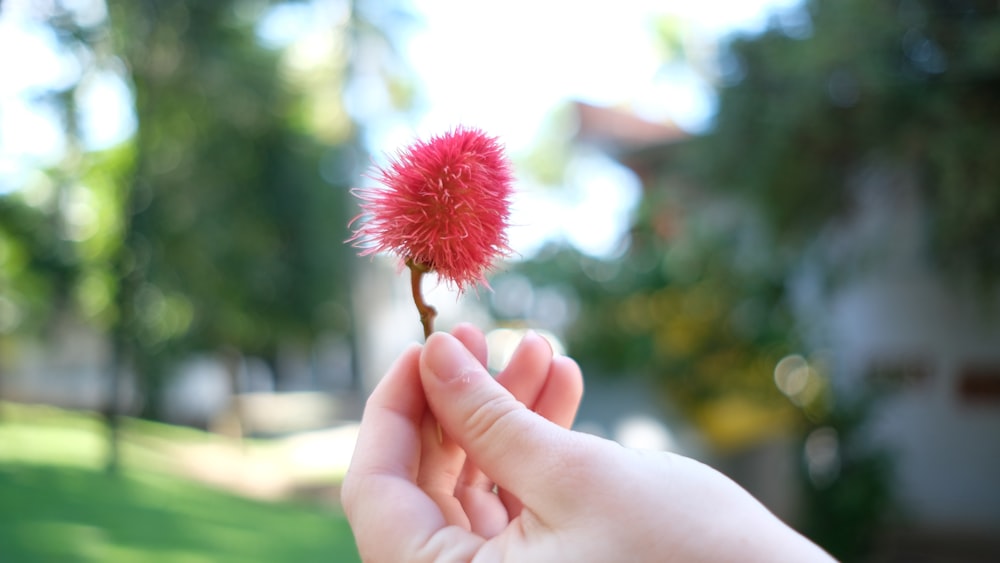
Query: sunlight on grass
(39, 434)
(264, 468)
(59, 505)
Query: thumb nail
(448, 360)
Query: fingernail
(532, 335)
(447, 358)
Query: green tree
(700, 301)
(232, 243)
(833, 90)
(54, 240)
(34, 269)
(844, 85)
(218, 226)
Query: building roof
(641, 145)
(621, 131)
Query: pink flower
(443, 205)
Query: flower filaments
(443, 206)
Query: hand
(562, 495)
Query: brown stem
(427, 313)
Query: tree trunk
(232, 359)
(112, 408)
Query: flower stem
(427, 313)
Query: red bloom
(444, 204)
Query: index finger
(388, 513)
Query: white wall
(947, 447)
(868, 297)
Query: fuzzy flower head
(443, 205)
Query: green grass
(57, 504)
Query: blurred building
(890, 320)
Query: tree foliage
(700, 301)
(233, 241)
(34, 267)
(838, 86)
(219, 224)
(686, 309)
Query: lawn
(57, 504)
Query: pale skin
(454, 465)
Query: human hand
(563, 495)
(402, 450)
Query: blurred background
(769, 231)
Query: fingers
(557, 400)
(392, 416)
(508, 442)
(442, 462)
(550, 385)
(387, 511)
(406, 484)
(463, 493)
(473, 339)
(525, 377)
(526, 372)
(560, 399)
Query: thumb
(517, 448)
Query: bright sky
(501, 66)
(505, 66)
